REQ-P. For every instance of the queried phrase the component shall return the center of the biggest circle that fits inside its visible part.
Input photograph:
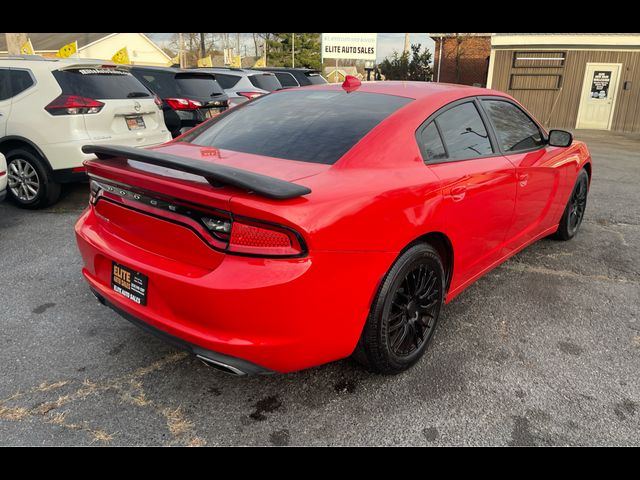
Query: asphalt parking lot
(544, 350)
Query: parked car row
(50, 108)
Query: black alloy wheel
(405, 312)
(413, 312)
(574, 211)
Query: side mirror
(560, 138)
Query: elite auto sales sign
(352, 46)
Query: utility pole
(203, 48)
(181, 50)
(15, 42)
(237, 44)
(293, 50)
(406, 42)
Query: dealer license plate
(135, 123)
(129, 283)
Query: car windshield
(310, 126)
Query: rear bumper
(232, 365)
(279, 314)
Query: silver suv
(242, 84)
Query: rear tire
(31, 185)
(574, 211)
(404, 314)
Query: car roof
(169, 69)
(415, 90)
(286, 69)
(229, 70)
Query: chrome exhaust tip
(223, 367)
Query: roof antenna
(351, 83)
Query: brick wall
(473, 60)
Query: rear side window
(431, 143)
(515, 130)
(5, 85)
(227, 81)
(463, 132)
(100, 83)
(265, 81)
(286, 79)
(20, 81)
(310, 126)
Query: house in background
(142, 51)
(571, 80)
(337, 76)
(461, 58)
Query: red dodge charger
(316, 223)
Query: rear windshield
(316, 79)
(227, 81)
(265, 81)
(178, 85)
(310, 126)
(198, 85)
(100, 83)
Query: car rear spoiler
(214, 173)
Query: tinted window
(265, 81)
(463, 132)
(316, 79)
(162, 83)
(20, 81)
(286, 79)
(5, 87)
(311, 126)
(227, 81)
(198, 85)
(100, 83)
(515, 130)
(432, 147)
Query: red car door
(538, 171)
(478, 188)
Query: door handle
(523, 178)
(458, 193)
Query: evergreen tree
(307, 50)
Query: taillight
(73, 105)
(261, 239)
(250, 95)
(158, 101)
(183, 103)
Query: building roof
(440, 35)
(567, 40)
(53, 41)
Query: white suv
(50, 108)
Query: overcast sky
(387, 42)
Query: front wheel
(574, 211)
(29, 181)
(404, 313)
